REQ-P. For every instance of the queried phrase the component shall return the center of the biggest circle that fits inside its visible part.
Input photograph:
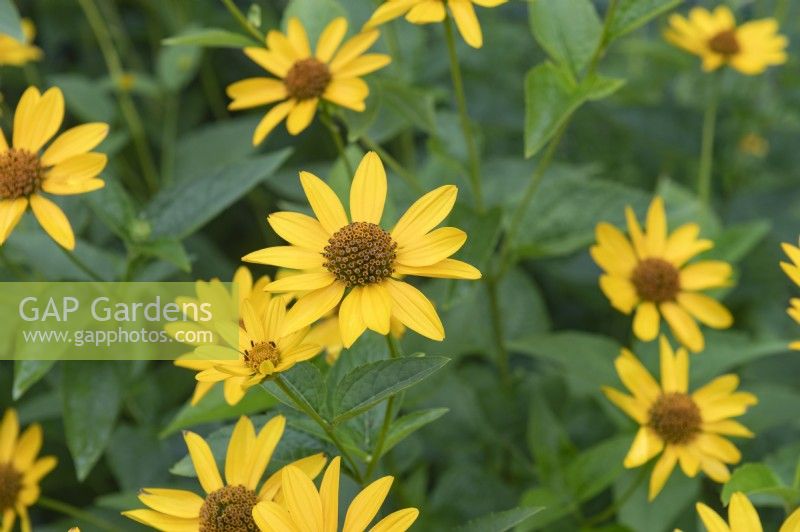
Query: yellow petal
(297, 35)
(646, 445)
(711, 519)
(715, 469)
(683, 244)
(368, 191)
(324, 202)
(446, 269)
(742, 515)
(351, 320)
(271, 517)
(312, 306)
(302, 282)
(41, 123)
(646, 321)
(302, 499)
(204, 464)
(270, 61)
(253, 92)
(718, 447)
(466, 21)
(425, 214)
(293, 257)
(280, 44)
(353, 48)
(389, 11)
(427, 12)
(39, 469)
(176, 503)
(728, 427)
(619, 249)
(11, 212)
(661, 472)
(329, 494)
(28, 447)
(635, 232)
(792, 523)
(78, 167)
(160, 521)
(376, 307)
(271, 120)
(26, 108)
(683, 326)
(349, 93)
(266, 441)
(362, 65)
(301, 115)
(299, 229)
(635, 408)
(716, 389)
(366, 504)
(330, 39)
(240, 446)
(69, 187)
(620, 292)
(75, 141)
(636, 378)
(53, 221)
(656, 227)
(398, 521)
(434, 247)
(413, 309)
(705, 275)
(706, 310)
(9, 429)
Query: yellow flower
(649, 273)
(14, 52)
(793, 271)
(715, 38)
(682, 427)
(754, 145)
(66, 167)
(20, 470)
(304, 508)
(430, 11)
(742, 517)
(332, 73)
(363, 259)
(226, 505)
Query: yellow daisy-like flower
(431, 11)
(226, 505)
(682, 427)
(66, 167)
(306, 509)
(792, 269)
(20, 470)
(16, 53)
(742, 517)
(715, 38)
(650, 273)
(332, 73)
(359, 257)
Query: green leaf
(214, 408)
(406, 425)
(27, 373)
(115, 207)
(568, 30)
(210, 37)
(183, 208)
(632, 14)
(92, 398)
(177, 65)
(759, 479)
(551, 97)
(10, 23)
(88, 99)
(166, 249)
(305, 382)
(500, 521)
(214, 146)
(368, 385)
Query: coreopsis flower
(717, 40)
(227, 504)
(356, 262)
(742, 517)
(306, 508)
(681, 427)
(431, 11)
(332, 73)
(17, 53)
(651, 274)
(792, 269)
(20, 470)
(67, 166)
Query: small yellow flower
(430, 11)
(793, 271)
(16, 53)
(742, 517)
(332, 73)
(681, 427)
(649, 273)
(361, 258)
(66, 167)
(20, 470)
(306, 508)
(227, 505)
(715, 38)
(754, 144)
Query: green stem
(242, 20)
(129, 112)
(466, 126)
(617, 504)
(82, 266)
(336, 135)
(604, 36)
(214, 94)
(330, 431)
(498, 333)
(76, 513)
(392, 163)
(169, 136)
(388, 415)
(707, 146)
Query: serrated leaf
(305, 382)
(368, 385)
(210, 37)
(569, 30)
(632, 14)
(500, 521)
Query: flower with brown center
(227, 506)
(650, 272)
(332, 73)
(682, 427)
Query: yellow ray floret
(792, 269)
(742, 517)
(303, 78)
(717, 40)
(354, 261)
(17, 53)
(649, 273)
(683, 428)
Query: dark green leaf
(753, 479)
(569, 30)
(500, 521)
(27, 373)
(305, 382)
(210, 37)
(406, 425)
(632, 14)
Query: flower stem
(242, 20)
(707, 147)
(330, 431)
(82, 266)
(617, 504)
(76, 513)
(498, 333)
(114, 66)
(466, 126)
(392, 163)
(336, 135)
(388, 415)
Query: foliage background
(546, 437)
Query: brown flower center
(260, 353)
(360, 254)
(10, 486)
(724, 43)
(308, 78)
(20, 173)
(229, 509)
(676, 418)
(656, 280)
